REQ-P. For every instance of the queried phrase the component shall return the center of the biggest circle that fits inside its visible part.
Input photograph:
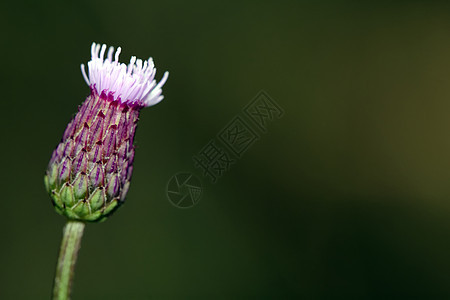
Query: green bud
(97, 199)
(66, 194)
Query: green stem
(72, 234)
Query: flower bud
(90, 170)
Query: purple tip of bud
(64, 171)
(113, 186)
(97, 175)
(111, 165)
(80, 162)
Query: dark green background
(346, 197)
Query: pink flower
(90, 170)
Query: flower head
(133, 83)
(90, 170)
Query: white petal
(134, 82)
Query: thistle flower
(90, 170)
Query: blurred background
(346, 196)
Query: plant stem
(72, 234)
